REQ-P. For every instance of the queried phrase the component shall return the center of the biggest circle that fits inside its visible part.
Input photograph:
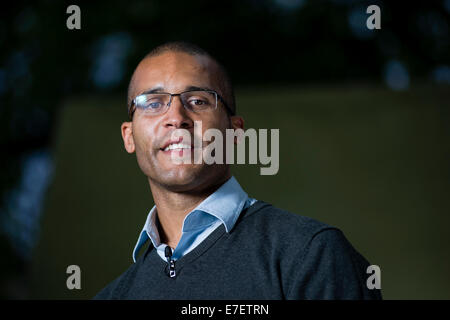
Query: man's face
(147, 134)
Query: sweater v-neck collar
(204, 245)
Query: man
(209, 240)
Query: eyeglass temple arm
(225, 104)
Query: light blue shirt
(221, 207)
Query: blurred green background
(364, 120)
(371, 161)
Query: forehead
(174, 72)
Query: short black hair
(192, 49)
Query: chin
(183, 177)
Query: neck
(173, 207)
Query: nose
(177, 116)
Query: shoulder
(316, 259)
(116, 288)
(271, 220)
(294, 235)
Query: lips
(176, 144)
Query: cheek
(144, 141)
(220, 123)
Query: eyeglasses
(193, 100)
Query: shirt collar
(225, 204)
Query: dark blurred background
(363, 118)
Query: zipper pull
(168, 253)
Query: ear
(127, 136)
(237, 122)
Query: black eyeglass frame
(133, 102)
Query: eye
(197, 102)
(154, 105)
(151, 102)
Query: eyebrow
(189, 88)
(153, 90)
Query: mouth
(176, 146)
(178, 150)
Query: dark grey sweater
(269, 254)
